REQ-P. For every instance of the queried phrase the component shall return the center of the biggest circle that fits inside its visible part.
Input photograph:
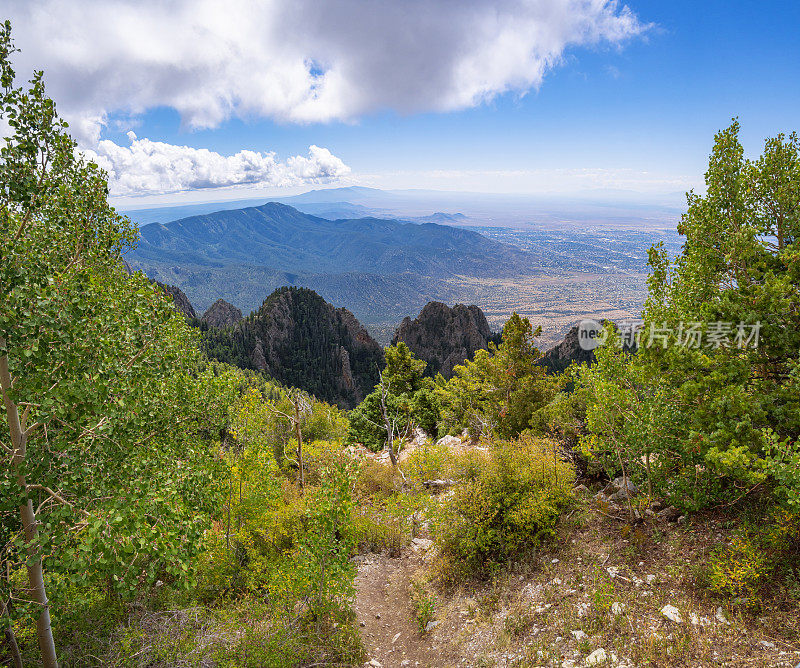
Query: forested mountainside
(444, 336)
(280, 237)
(300, 340)
(383, 269)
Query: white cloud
(149, 167)
(298, 60)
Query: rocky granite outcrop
(221, 314)
(182, 302)
(300, 340)
(445, 337)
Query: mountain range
(604, 208)
(381, 268)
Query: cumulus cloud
(150, 167)
(299, 60)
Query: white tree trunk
(19, 438)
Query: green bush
(758, 557)
(376, 530)
(428, 462)
(424, 603)
(376, 480)
(507, 501)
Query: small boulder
(449, 441)
(597, 658)
(431, 625)
(421, 544)
(672, 614)
(617, 608)
(620, 483)
(621, 489)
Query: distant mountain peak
(222, 314)
(299, 339)
(280, 238)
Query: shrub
(428, 462)
(317, 457)
(376, 530)
(424, 603)
(376, 480)
(508, 500)
(738, 571)
(757, 557)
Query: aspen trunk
(44, 631)
(11, 639)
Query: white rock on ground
(421, 544)
(449, 441)
(672, 613)
(617, 608)
(579, 635)
(720, 615)
(597, 658)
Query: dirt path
(386, 616)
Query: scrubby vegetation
(508, 502)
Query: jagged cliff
(299, 339)
(182, 302)
(221, 314)
(444, 336)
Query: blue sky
(633, 112)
